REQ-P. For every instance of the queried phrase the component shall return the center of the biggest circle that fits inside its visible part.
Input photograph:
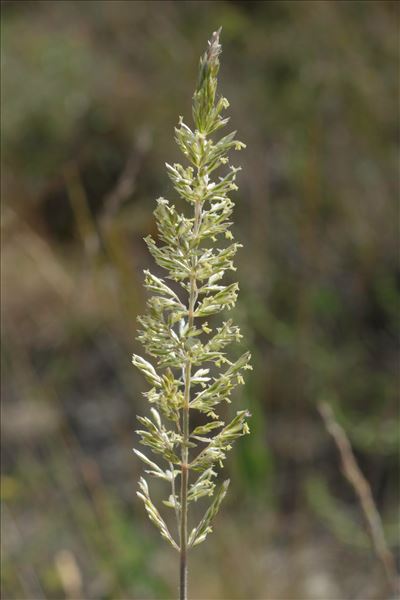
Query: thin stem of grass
(185, 426)
(363, 491)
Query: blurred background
(91, 92)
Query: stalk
(184, 488)
(185, 427)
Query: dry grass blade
(362, 488)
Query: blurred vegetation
(91, 92)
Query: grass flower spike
(189, 371)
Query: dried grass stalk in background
(188, 352)
(362, 488)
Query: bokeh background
(91, 91)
